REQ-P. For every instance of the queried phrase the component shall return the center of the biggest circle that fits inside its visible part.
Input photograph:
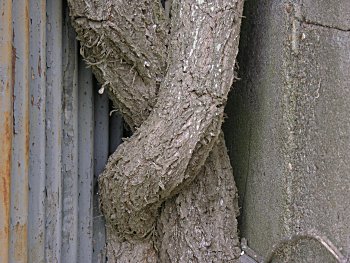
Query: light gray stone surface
(288, 126)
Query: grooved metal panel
(86, 163)
(54, 139)
(116, 130)
(36, 215)
(6, 119)
(101, 143)
(20, 142)
(54, 89)
(69, 144)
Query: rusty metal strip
(6, 92)
(244, 258)
(249, 255)
(20, 142)
(36, 214)
(53, 150)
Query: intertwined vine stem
(167, 193)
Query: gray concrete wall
(288, 126)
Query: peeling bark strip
(147, 194)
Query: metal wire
(293, 240)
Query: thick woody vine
(170, 184)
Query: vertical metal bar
(20, 142)
(116, 131)
(86, 172)
(101, 144)
(6, 92)
(53, 132)
(36, 220)
(70, 143)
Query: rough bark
(125, 43)
(199, 224)
(163, 199)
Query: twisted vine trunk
(168, 192)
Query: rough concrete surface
(288, 126)
(328, 13)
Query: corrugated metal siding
(85, 163)
(6, 123)
(54, 139)
(101, 110)
(37, 59)
(20, 142)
